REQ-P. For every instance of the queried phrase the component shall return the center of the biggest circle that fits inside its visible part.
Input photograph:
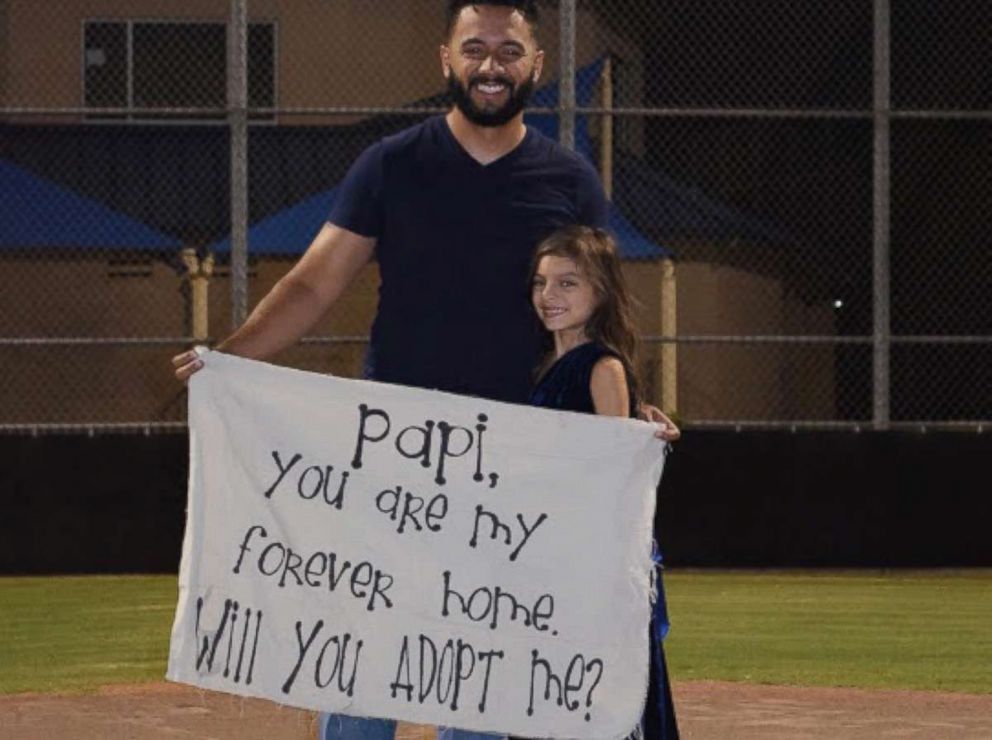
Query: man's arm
(297, 301)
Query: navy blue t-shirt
(454, 243)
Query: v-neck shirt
(454, 240)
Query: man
(453, 209)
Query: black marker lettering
(207, 644)
(244, 639)
(488, 657)
(497, 526)
(244, 545)
(550, 678)
(445, 452)
(425, 688)
(346, 686)
(319, 482)
(479, 428)
(424, 451)
(364, 414)
(403, 663)
(302, 651)
(230, 640)
(254, 647)
(527, 533)
(282, 471)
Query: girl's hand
(666, 427)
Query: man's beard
(515, 102)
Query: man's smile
(491, 87)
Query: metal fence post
(881, 293)
(566, 88)
(237, 100)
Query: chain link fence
(800, 188)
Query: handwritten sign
(383, 551)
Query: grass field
(917, 630)
(914, 630)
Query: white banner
(384, 551)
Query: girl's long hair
(612, 323)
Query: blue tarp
(654, 200)
(38, 213)
(586, 79)
(633, 244)
(663, 206)
(96, 192)
(290, 231)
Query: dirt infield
(708, 710)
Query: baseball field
(751, 653)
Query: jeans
(339, 727)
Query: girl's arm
(608, 386)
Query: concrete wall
(736, 381)
(91, 297)
(750, 381)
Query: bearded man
(452, 208)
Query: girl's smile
(564, 299)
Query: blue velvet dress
(565, 386)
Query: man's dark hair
(527, 8)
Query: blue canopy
(586, 79)
(38, 213)
(633, 244)
(654, 200)
(663, 206)
(289, 231)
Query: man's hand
(296, 302)
(666, 427)
(186, 364)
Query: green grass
(75, 634)
(894, 630)
(918, 630)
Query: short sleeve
(594, 210)
(357, 203)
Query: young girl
(580, 296)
